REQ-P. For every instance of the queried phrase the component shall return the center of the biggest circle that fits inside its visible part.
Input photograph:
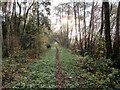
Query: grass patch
(42, 73)
(79, 77)
(71, 68)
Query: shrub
(101, 64)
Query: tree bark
(108, 43)
(85, 26)
(91, 29)
(19, 20)
(75, 18)
(116, 45)
(1, 40)
(79, 27)
(102, 22)
(68, 13)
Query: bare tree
(26, 12)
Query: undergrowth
(25, 70)
(42, 73)
(85, 72)
(17, 65)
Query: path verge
(42, 74)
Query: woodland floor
(60, 68)
(52, 71)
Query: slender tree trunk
(8, 28)
(38, 21)
(79, 27)
(85, 27)
(13, 20)
(7, 25)
(68, 12)
(19, 20)
(75, 18)
(109, 51)
(61, 25)
(38, 24)
(116, 45)
(91, 29)
(1, 40)
(71, 31)
(24, 25)
(102, 22)
(26, 15)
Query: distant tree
(68, 14)
(75, 20)
(26, 12)
(91, 29)
(85, 26)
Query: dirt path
(60, 78)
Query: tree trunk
(79, 27)
(19, 20)
(107, 30)
(85, 26)
(68, 13)
(25, 20)
(61, 10)
(91, 29)
(116, 45)
(102, 22)
(38, 21)
(1, 40)
(75, 18)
